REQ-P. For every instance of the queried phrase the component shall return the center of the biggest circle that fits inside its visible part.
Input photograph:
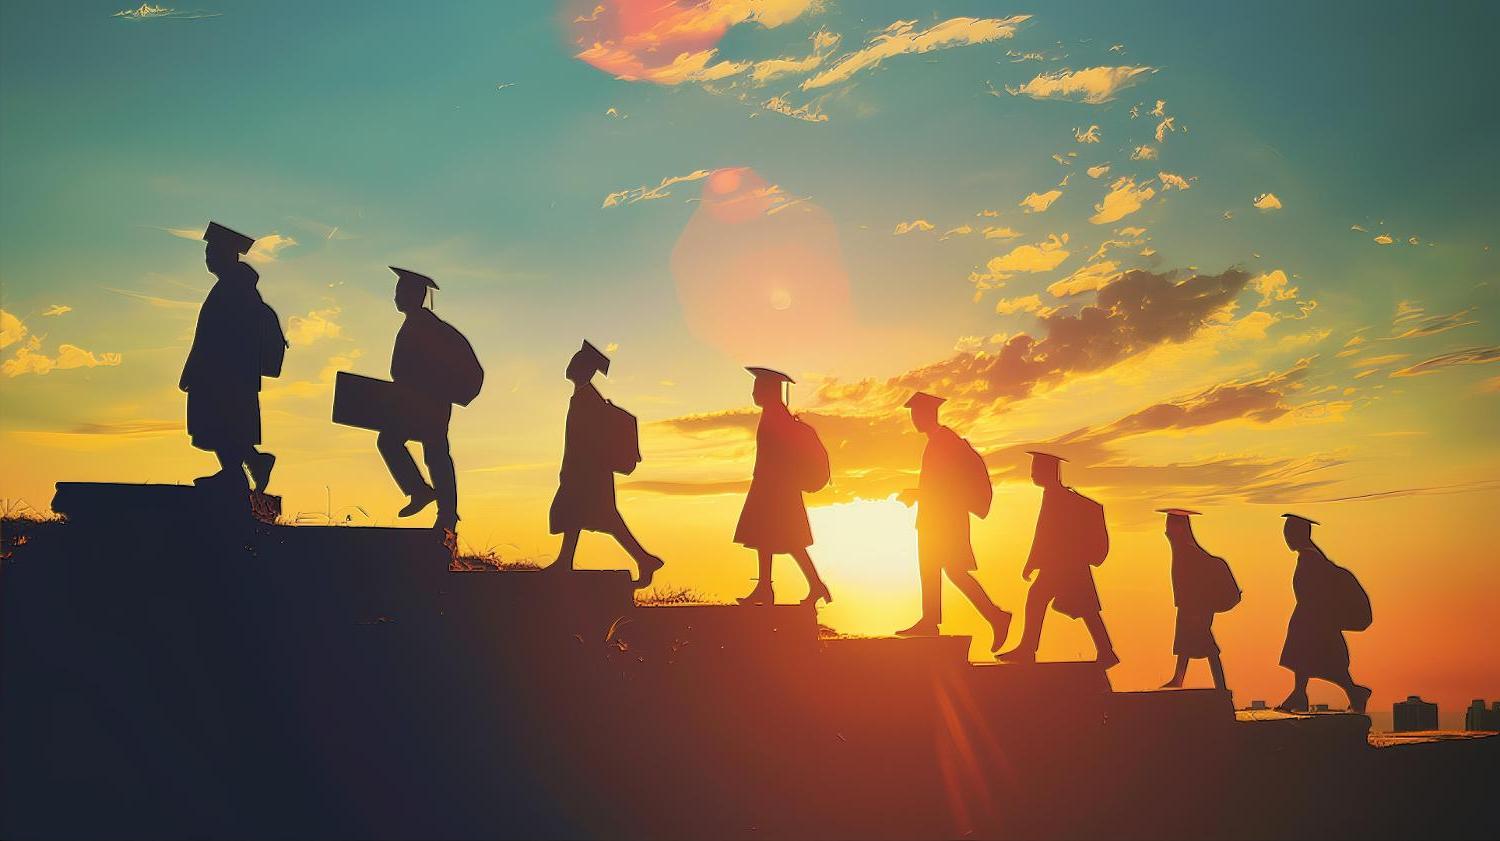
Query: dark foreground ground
(199, 676)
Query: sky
(1237, 259)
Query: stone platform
(161, 505)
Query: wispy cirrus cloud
(1094, 85)
(1466, 356)
(646, 193)
(146, 11)
(55, 310)
(902, 38)
(1031, 258)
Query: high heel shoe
(818, 592)
(762, 595)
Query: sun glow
(867, 552)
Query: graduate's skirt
(1072, 590)
(773, 519)
(943, 541)
(223, 418)
(585, 501)
(1314, 648)
(1195, 634)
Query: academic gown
(942, 514)
(774, 518)
(222, 372)
(1196, 581)
(420, 363)
(1315, 644)
(1058, 557)
(585, 498)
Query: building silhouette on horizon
(1479, 717)
(1413, 714)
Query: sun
(867, 552)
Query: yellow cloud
(1170, 181)
(808, 112)
(1384, 239)
(1000, 232)
(913, 225)
(1273, 286)
(1087, 279)
(303, 330)
(1143, 153)
(1090, 135)
(12, 329)
(268, 247)
(1041, 257)
(1123, 199)
(1094, 85)
(1030, 303)
(902, 38)
(56, 310)
(1098, 171)
(1038, 202)
(823, 42)
(28, 359)
(1267, 201)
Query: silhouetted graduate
(1202, 585)
(789, 460)
(600, 440)
(237, 340)
(1330, 601)
(1071, 538)
(436, 367)
(954, 484)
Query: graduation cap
(1041, 456)
(409, 278)
(1298, 518)
(922, 399)
(1178, 512)
(216, 234)
(594, 357)
(767, 375)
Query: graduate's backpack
(273, 342)
(462, 376)
(622, 439)
(977, 490)
(1225, 593)
(812, 468)
(1092, 533)
(1351, 604)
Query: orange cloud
(1123, 199)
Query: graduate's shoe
(1359, 698)
(1016, 655)
(419, 500)
(1294, 703)
(819, 591)
(1107, 660)
(260, 470)
(923, 628)
(649, 565)
(1174, 683)
(1000, 625)
(762, 595)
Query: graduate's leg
(1216, 666)
(1179, 675)
(1037, 599)
(999, 619)
(930, 576)
(1297, 700)
(566, 552)
(816, 589)
(232, 463)
(646, 563)
(398, 460)
(439, 459)
(1359, 696)
(763, 594)
(1106, 649)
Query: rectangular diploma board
(367, 402)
